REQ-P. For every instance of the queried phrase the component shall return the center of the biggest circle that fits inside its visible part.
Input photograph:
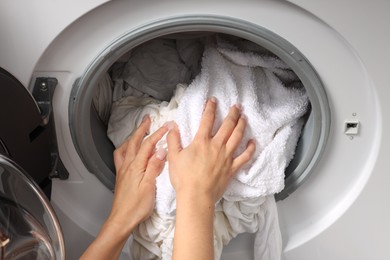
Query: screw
(354, 114)
(43, 86)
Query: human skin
(199, 173)
(137, 168)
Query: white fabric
(102, 98)
(273, 110)
(128, 112)
(153, 239)
(120, 88)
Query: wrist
(194, 199)
(121, 229)
(194, 226)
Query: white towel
(273, 112)
(273, 103)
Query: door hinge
(43, 94)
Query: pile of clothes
(170, 79)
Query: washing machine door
(29, 228)
(27, 132)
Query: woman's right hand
(200, 174)
(207, 165)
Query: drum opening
(88, 120)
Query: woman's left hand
(137, 166)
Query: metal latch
(351, 127)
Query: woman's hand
(137, 166)
(200, 174)
(207, 165)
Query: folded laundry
(273, 101)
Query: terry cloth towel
(274, 112)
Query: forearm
(200, 174)
(109, 242)
(194, 228)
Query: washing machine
(54, 54)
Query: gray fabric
(157, 66)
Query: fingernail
(170, 125)
(161, 154)
(239, 107)
(213, 99)
(145, 117)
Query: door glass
(28, 226)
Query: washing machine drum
(29, 228)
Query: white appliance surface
(340, 212)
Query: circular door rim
(81, 94)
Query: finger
(119, 155)
(228, 125)
(207, 120)
(173, 141)
(161, 154)
(154, 168)
(148, 145)
(136, 139)
(237, 135)
(245, 156)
